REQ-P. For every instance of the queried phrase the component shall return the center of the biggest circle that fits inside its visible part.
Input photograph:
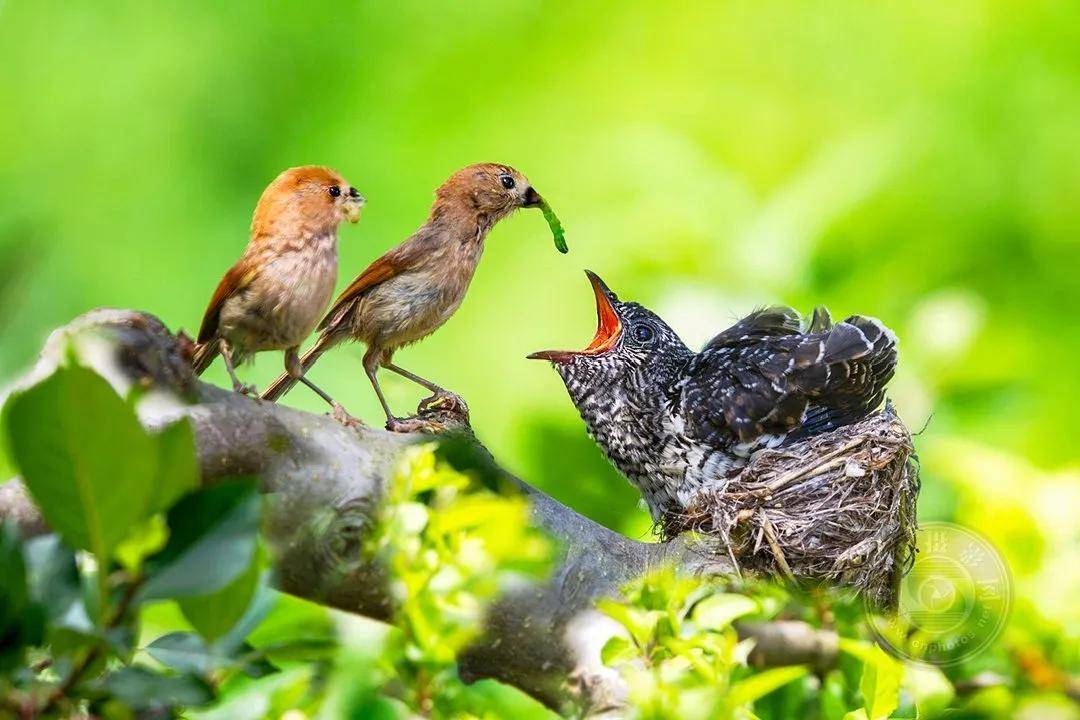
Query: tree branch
(325, 483)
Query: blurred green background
(915, 161)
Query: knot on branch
(339, 533)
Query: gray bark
(326, 483)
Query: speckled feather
(672, 420)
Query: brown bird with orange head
(272, 298)
(413, 289)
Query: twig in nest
(770, 536)
(841, 508)
(824, 463)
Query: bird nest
(838, 507)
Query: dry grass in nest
(837, 507)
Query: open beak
(532, 198)
(608, 326)
(352, 206)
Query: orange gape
(272, 298)
(414, 288)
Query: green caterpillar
(556, 227)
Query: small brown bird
(414, 288)
(272, 298)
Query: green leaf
(21, 620)
(84, 457)
(144, 689)
(641, 624)
(377, 707)
(493, 699)
(860, 649)
(717, 612)
(833, 702)
(55, 583)
(618, 649)
(761, 684)
(880, 684)
(14, 594)
(183, 651)
(186, 652)
(265, 602)
(252, 700)
(7, 465)
(145, 539)
(216, 613)
(212, 538)
(930, 689)
(178, 465)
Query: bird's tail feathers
(203, 356)
(820, 321)
(844, 371)
(285, 381)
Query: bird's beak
(352, 206)
(608, 326)
(532, 198)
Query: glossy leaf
(144, 689)
(178, 466)
(880, 684)
(929, 688)
(54, 580)
(21, 620)
(144, 540)
(718, 611)
(84, 457)
(212, 539)
(618, 649)
(832, 700)
(182, 651)
(216, 613)
(761, 684)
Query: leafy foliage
(176, 616)
(916, 162)
(680, 655)
(94, 451)
(72, 601)
(74, 605)
(451, 546)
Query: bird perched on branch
(673, 420)
(413, 289)
(274, 295)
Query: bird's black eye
(507, 182)
(353, 193)
(643, 333)
(335, 191)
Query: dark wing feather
(820, 321)
(766, 322)
(744, 387)
(861, 360)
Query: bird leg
(441, 400)
(237, 386)
(295, 368)
(371, 366)
(373, 358)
